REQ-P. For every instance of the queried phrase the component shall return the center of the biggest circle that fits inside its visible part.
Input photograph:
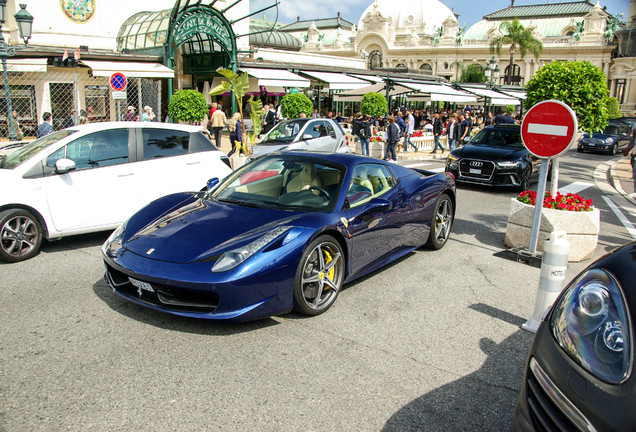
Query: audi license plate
(474, 171)
(142, 285)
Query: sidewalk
(621, 178)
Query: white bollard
(553, 266)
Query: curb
(615, 182)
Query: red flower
(568, 202)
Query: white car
(93, 177)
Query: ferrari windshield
(284, 132)
(492, 137)
(25, 153)
(283, 182)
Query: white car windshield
(284, 132)
(25, 153)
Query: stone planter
(582, 228)
(237, 162)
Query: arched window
(375, 59)
(401, 65)
(515, 78)
(427, 68)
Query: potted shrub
(187, 106)
(569, 212)
(294, 103)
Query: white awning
(338, 81)
(493, 95)
(26, 65)
(129, 69)
(440, 92)
(371, 78)
(504, 101)
(515, 94)
(357, 94)
(277, 78)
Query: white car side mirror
(63, 166)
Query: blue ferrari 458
(282, 233)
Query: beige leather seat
(362, 179)
(307, 177)
(378, 180)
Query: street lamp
(492, 71)
(25, 25)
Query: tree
(473, 73)
(239, 85)
(294, 103)
(187, 106)
(518, 37)
(581, 85)
(613, 108)
(374, 104)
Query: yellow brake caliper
(332, 272)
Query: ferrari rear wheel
(20, 235)
(319, 276)
(441, 223)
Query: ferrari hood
(202, 229)
(491, 153)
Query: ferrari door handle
(193, 163)
(125, 175)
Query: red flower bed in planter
(567, 202)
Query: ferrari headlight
(508, 164)
(609, 140)
(232, 258)
(592, 326)
(115, 240)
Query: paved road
(433, 342)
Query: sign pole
(538, 205)
(554, 184)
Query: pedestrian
(339, 117)
(130, 114)
(315, 113)
(236, 134)
(212, 109)
(399, 121)
(453, 132)
(362, 128)
(631, 152)
(70, 120)
(490, 120)
(269, 118)
(392, 136)
(148, 115)
(410, 128)
(438, 128)
(16, 126)
(217, 123)
(467, 126)
(46, 127)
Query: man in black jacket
(438, 128)
(269, 119)
(362, 128)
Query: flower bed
(569, 212)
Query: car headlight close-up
(592, 325)
(452, 161)
(231, 259)
(508, 164)
(115, 240)
(609, 140)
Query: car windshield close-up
(283, 183)
(25, 153)
(611, 130)
(492, 137)
(284, 132)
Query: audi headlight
(232, 258)
(115, 240)
(592, 326)
(508, 164)
(609, 140)
(452, 161)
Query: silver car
(308, 134)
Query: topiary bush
(292, 104)
(581, 85)
(374, 104)
(187, 106)
(613, 108)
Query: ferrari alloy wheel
(441, 223)
(20, 235)
(319, 277)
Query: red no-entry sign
(549, 128)
(118, 81)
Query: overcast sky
(469, 11)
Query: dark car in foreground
(615, 137)
(496, 156)
(284, 232)
(580, 371)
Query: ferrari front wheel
(319, 277)
(441, 223)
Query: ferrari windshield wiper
(238, 202)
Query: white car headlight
(592, 325)
(508, 164)
(609, 140)
(232, 258)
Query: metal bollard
(553, 266)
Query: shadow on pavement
(484, 400)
